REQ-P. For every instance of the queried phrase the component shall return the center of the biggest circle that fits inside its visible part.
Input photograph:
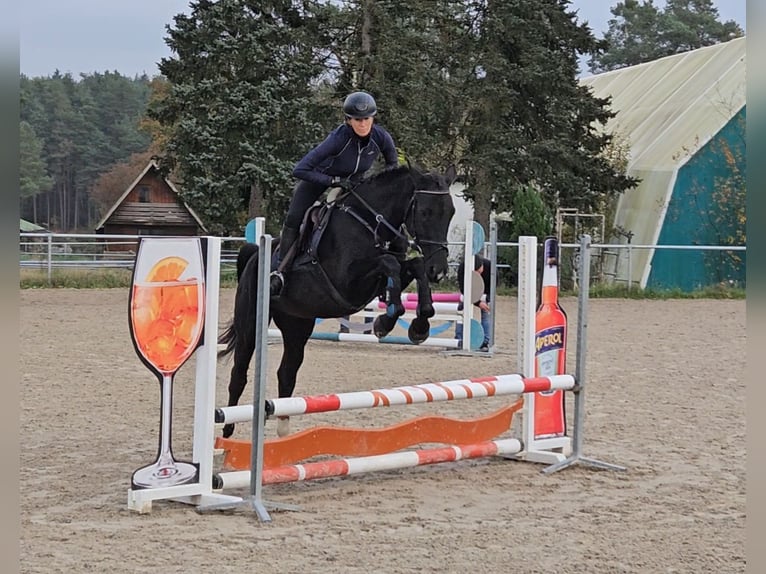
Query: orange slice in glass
(167, 269)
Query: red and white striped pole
(349, 466)
(406, 395)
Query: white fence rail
(50, 251)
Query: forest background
(251, 86)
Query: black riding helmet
(359, 105)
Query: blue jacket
(344, 154)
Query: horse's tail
(241, 322)
(244, 255)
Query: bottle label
(550, 355)
(549, 346)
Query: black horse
(374, 241)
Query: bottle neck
(550, 288)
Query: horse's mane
(388, 174)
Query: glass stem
(166, 411)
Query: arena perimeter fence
(47, 253)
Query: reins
(413, 242)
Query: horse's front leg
(420, 327)
(295, 334)
(385, 322)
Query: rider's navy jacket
(344, 154)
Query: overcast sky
(127, 36)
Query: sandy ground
(665, 398)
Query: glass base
(160, 475)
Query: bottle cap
(551, 251)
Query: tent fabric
(666, 111)
(29, 227)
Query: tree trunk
(366, 36)
(255, 204)
(76, 208)
(481, 211)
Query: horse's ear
(451, 174)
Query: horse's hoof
(382, 325)
(419, 331)
(228, 430)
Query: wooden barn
(151, 205)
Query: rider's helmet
(359, 105)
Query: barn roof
(151, 165)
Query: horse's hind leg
(242, 331)
(243, 353)
(295, 334)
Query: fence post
(50, 257)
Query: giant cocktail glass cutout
(166, 320)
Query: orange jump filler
(550, 347)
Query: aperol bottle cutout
(550, 347)
(167, 311)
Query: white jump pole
(492, 256)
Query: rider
(339, 161)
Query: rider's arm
(388, 149)
(308, 168)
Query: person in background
(339, 161)
(481, 265)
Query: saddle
(314, 224)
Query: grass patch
(622, 292)
(120, 278)
(75, 279)
(94, 279)
(604, 291)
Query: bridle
(405, 230)
(409, 219)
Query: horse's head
(432, 212)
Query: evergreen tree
(530, 215)
(641, 32)
(529, 120)
(33, 177)
(85, 127)
(407, 54)
(240, 107)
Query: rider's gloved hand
(344, 183)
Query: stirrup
(276, 283)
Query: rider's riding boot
(288, 236)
